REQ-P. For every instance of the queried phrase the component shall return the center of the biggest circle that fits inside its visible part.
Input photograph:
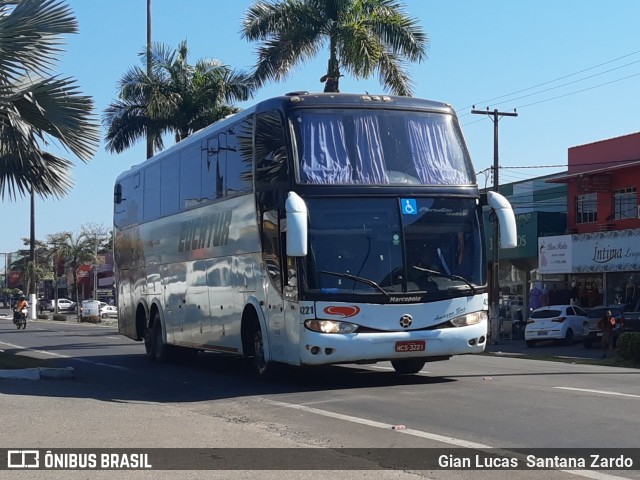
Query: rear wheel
(154, 341)
(408, 366)
(568, 338)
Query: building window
(587, 208)
(625, 203)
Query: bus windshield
(395, 245)
(380, 147)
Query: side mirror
(297, 229)
(506, 219)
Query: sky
(570, 68)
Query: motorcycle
(20, 318)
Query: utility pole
(149, 73)
(495, 288)
(5, 285)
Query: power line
(579, 91)
(555, 80)
(571, 83)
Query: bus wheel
(411, 365)
(159, 348)
(148, 342)
(260, 365)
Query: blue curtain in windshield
(369, 161)
(362, 147)
(326, 159)
(437, 159)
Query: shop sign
(616, 251)
(555, 254)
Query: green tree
(36, 108)
(75, 251)
(32, 271)
(364, 37)
(177, 98)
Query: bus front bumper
(327, 348)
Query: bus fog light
(330, 326)
(315, 350)
(469, 319)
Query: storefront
(601, 267)
(518, 266)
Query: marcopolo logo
(23, 459)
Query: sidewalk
(545, 349)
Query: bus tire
(160, 350)
(260, 365)
(408, 366)
(267, 370)
(148, 342)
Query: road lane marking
(595, 475)
(601, 392)
(60, 355)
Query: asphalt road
(120, 399)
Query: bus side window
(239, 164)
(271, 248)
(152, 192)
(190, 191)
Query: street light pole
(495, 271)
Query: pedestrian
(607, 323)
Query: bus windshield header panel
(380, 147)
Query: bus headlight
(469, 319)
(330, 326)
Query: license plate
(410, 346)
(542, 333)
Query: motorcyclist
(21, 304)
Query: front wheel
(408, 366)
(530, 343)
(261, 366)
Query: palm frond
(55, 107)
(31, 35)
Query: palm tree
(177, 98)
(364, 36)
(76, 251)
(36, 108)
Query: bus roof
(302, 99)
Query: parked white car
(64, 304)
(555, 322)
(108, 311)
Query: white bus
(309, 229)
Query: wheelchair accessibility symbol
(409, 206)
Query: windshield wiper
(358, 279)
(446, 275)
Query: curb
(38, 373)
